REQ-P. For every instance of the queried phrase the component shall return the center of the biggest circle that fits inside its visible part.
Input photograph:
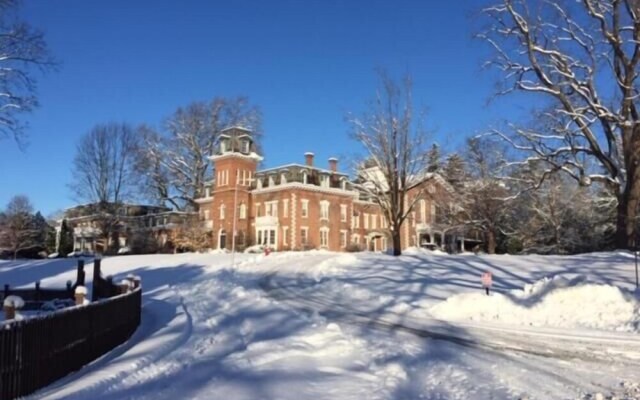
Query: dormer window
(271, 181)
(283, 178)
(343, 183)
(245, 146)
(324, 181)
(223, 146)
(259, 183)
(305, 177)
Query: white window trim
(324, 230)
(325, 210)
(304, 208)
(343, 213)
(305, 236)
(344, 238)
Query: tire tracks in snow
(548, 343)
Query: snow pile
(557, 301)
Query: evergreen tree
(454, 170)
(433, 158)
(50, 239)
(65, 245)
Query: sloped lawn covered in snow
(213, 330)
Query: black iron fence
(36, 352)
(34, 297)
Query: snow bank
(557, 301)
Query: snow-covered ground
(351, 326)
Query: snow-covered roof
(301, 166)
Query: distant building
(152, 223)
(302, 206)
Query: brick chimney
(333, 164)
(308, 158)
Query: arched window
(305, 177)
(243, 211)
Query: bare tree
(21, 50)
(561, 217)
(104, 173)
(17, 228)
(175, 162)
(583, 58)
(396, 156)
(484, 199)
(103, 165)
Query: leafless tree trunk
(17, 229)
(175, 162)
(583, 58)
(21, 50)
(104, 172)
(396, 156)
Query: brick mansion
(292, 207)
(303, 206)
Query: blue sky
(305, 63)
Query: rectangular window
(285, 235)
(355, 221)
(374, 221)
(222, 207)
(343, 212)
(304, 235)
(272, 237)
(366, 221)
(343, 239)
(271, 208)
(324, 210)
(258, 210)
(324, 237)
(304, 209)
(285, 208)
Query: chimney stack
(333, 164)
(308, 157)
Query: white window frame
(271, 208)
(304, 238)
(304, 208)
(325, 208)
(343, 238)
(243, 211)
(222, 211)
(343, 213)
(285, 235)
(366, 221)
(285, 208)
(324, 237)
